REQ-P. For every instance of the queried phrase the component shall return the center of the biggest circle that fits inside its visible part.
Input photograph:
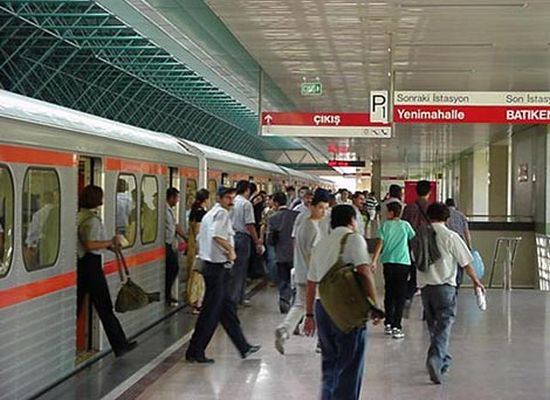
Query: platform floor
(503, 353)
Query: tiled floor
(503, 353)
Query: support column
(466, 184)
(376, 178)
(480, 183)
(498, 180)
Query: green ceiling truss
(76, 54)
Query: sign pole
(260, 95)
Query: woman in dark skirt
(90, 277)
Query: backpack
(344, 296)
(424, 246)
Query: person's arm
(309, 325)
(472, 274)
(93, 245)
(368, 278)
(377, 252)
(180, 232)
(224, 243)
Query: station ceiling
(355, 46)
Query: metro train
(47, 154)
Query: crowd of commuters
(294, 238)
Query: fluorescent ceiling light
(444, 45)
(465, 5)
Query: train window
(190, 191)
(41, 218)
(6, 220)
(126, 208)
(212, 188)
(149, 209)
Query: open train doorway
(87, 322)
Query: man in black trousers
(217, 252)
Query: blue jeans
(440, 310)
(343, 358)
(239, 271)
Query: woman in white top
(90, 277)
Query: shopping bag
(478, 265)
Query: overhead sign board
(311, 88)
(346, 163)
(471, 107)
(323, 124)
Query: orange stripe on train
(32, 155)
(113, 164)
(42, 287)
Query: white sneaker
(387, 330)
(280, 336)
(397, 333)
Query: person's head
(307, 198)
(450, 203)
(396, 192)
(290, 191)
(226, 196)
(332, 200)
(343, 215)
(260, 197)
(121, 185)
(243, 188)
(438, 212)
(319, 204)
(279, 199)
(172, 196)
(358, 199)
(91, 197)
(303, 191)
(423, 188)
(344, 194)
(270, 203)
(202, 197)
(393, 210)
(253, 188)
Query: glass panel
(6, 220)
(126, 208)
(149, 209)
(41, 218)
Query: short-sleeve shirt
(242, 214)
(302, 216)
(216, 223)
(325, 253)
(170, 225)
(454, 253)
(396, 234)
(90, 228)
(307, 236)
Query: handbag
(131, 296)
(344, 295)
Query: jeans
(343, 358)
(283, 283)
(395, 278)
(440, 311)
(217, 307)
(297, 311)
(172, 269)
(239, 271)
(271, 263)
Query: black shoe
(199, 360)
(251, 350)
(126, 349)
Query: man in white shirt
(358, 202)
(303, 211)
(343, 197)
(172, 228)
(343, 354)
(217, 252)
(438, 285)
(244, 225)
(307, 236)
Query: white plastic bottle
(481, 299)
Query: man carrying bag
(342, 335)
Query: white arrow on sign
(268, 118)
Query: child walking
(392, 249)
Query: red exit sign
(346, 163)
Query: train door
(173, 181)
(87, 324)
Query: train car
(47, 154)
